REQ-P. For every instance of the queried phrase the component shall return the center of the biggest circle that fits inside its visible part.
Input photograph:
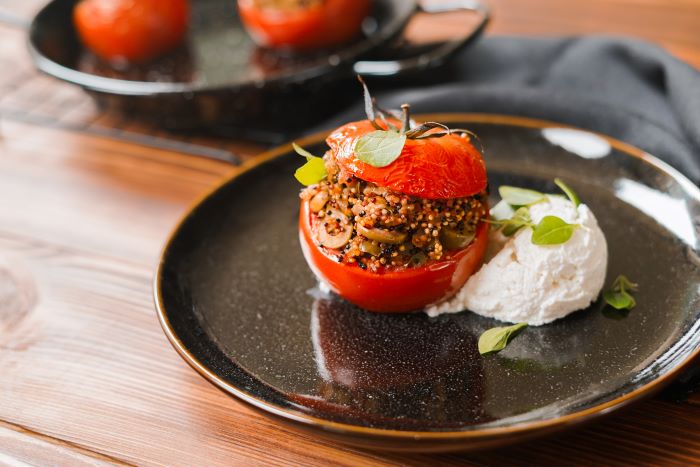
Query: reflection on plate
(238, 302)
(396, 368)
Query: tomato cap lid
(432, 168)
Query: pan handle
(435, 57)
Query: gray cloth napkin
(625, 88)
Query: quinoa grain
(390, 215)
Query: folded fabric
(625, 88)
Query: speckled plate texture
(238, 302)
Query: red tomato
(131, 30)
(323, 24)
(435, 168)
(396, 289)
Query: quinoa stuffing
(376, 227)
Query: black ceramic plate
(238, 302)
(219, 77)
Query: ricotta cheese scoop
(536, 284)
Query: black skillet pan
(219, 78)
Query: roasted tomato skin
(433, 168)
(131, 30)
(391, 290)
(329, 23)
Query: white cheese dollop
(536, 284)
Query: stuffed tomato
(392, 217)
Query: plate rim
(310, 421)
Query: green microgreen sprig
(520, 196)
(512, 213)
(313, 171)
(384, 145)
(381, 147)
(510, 225)
(571, 194)
(618, 296)
(552, 230)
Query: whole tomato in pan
(303, 24)
(134, 31)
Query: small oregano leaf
(495, 339)
(379, 148)
(552, 230)
(571, 194)
(313, 171)
(618, 296)
(619, 300)
(520, 196)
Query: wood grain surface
(86, 201)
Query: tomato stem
(419, 132)
(406, 118)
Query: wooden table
(86, 200)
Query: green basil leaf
(495, 339)
(571, 194)
(379, 148)
(520, 219)
(619, 300)
(552, 230)
(312, 172)
(520, 196)
(501, 211)
(303, 152)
